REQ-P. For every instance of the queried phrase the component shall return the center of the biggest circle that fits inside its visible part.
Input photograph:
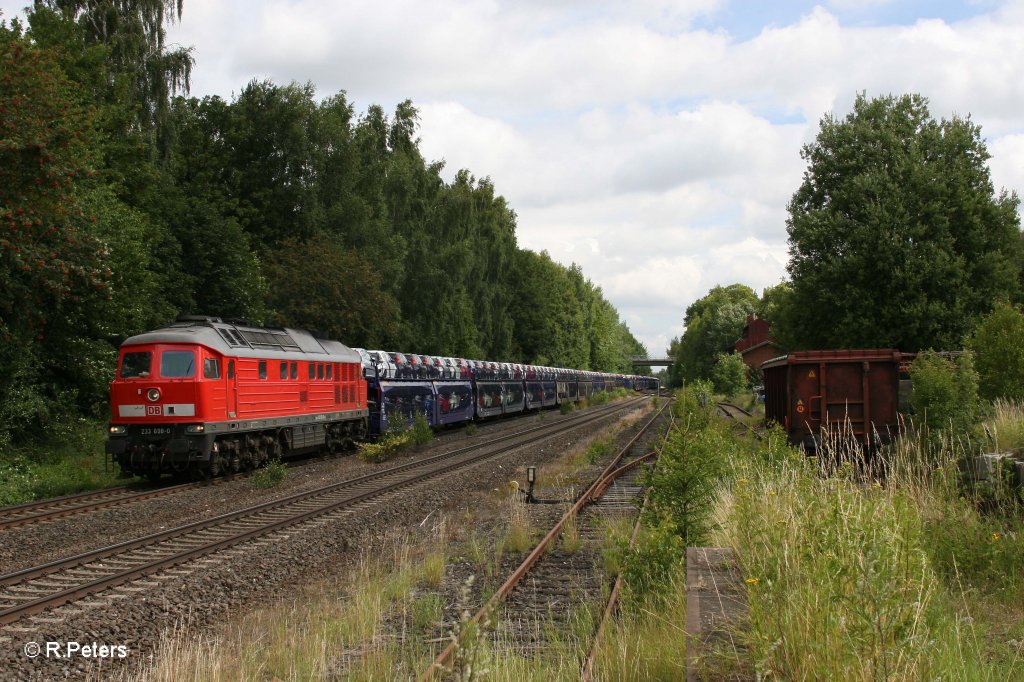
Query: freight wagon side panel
(841, 394)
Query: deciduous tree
(896, 235)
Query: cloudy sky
(654, 142)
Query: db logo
(154, 410)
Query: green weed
(269, 476)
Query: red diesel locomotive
(204, 397)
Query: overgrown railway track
(738, 415)
(557, 579)
(40, 588)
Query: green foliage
(897, 237)
(683, 487)
(695, 406)
(269, 475)
(386, 447)
(18, 479)
(69, 461)
(998, 346)
(776, 307)
(566, 407)
(649, 566)
(713, 323)
(53, 268)
(729, 374)
(945, 397)
(137, 61)
(420, 433)
(978, 552)
(317, 284)
(598, 450)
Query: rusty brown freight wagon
(841, 395)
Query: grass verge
(74, 465)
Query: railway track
(59, 507)
(738, 415)
(53, 508)
(40, 588)
(562, 583)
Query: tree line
(124, 202)
(897, 239)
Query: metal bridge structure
(651, 362)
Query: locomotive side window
(284, 370)
(312, 371)
(295, 370)
(231, 369)
(211, 368)
(320, 371)
(330, 372)
(263, 369)
(136, 365)
(177, 364)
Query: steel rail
(443, 659)
(587, 673)
(74, 592)
(47, 510)
(103, 552)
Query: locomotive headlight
(153, 395)
(118, 429)
(195, 428)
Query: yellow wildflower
(752, 581)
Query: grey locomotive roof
(250, 342)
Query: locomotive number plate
(156, 431)
(154, 410)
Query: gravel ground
(203, 592)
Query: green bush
(695, 406)
(270, 475)
(998, 346)
(683, 488)
(598, 450)
(945, 397)
(566, 407)
(648, 567)
(729, 374)
(18, 478)
(386, 447)
(420, 433)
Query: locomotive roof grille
(266, 338)
(232, 337)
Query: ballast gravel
(203, 592)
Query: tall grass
(375, 624)
(856, 580)
(1005, 428)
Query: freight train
(836, 399)
(205, 396)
